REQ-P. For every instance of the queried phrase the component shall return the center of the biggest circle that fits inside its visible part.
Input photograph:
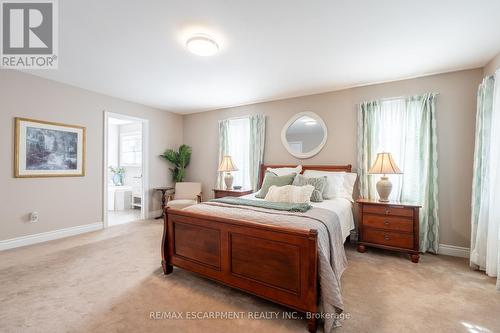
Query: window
(243, 139)
(130, 149)
(239, 150)
(396, 126)
(392, 135)
(406, 128)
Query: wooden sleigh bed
(273, 262)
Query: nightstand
(231, 193)
(389, 225)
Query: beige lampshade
(384, 164)
(227, 164)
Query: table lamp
(227, 165)
(384, 164)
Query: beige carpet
(110, 281)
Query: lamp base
(228, 180)
(384, 188)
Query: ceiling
(135, 50)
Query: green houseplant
(180, 160)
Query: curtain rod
(388, 99)
(242, 117)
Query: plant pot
(118, 179)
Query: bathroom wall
(132, 173)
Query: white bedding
(341, 206)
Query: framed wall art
(48, 149)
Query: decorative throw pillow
(339, 184)
(290, 194)
(271, 179)
(335, 182)
(285, 171)
(318, 183)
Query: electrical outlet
(34, 217)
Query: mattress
(341, 206)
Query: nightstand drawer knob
(386, 222)
(386, 237)
(387, 211)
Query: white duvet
(341, 206)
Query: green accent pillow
(318, 183)
(271, 179)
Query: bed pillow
(335, 182)
(340, 183)
(319, 184)
(290, 194)
(285, 171)
(271, 179)
(349, 181)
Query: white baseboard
(454, 251)
(48, 236)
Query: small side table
(219, 193)
(163, 191)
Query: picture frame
(48, 149)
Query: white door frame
(145, 164)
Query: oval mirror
(304, 135)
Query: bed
(283, 257)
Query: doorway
(125, 169)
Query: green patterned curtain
(423, 130)
(406, 128)
(485, 215)
(223, 148)
(481, 149)
(257, 143)
(366, 154)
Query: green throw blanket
(282, 206)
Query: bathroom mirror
(304, 135)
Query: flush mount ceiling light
(202, 45)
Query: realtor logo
(29, 34)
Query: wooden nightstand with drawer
(389, 225)
(230, 193)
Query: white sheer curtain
(239, 150)
(494, 197)
(390, 133)
(485, 242)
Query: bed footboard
(276, 263)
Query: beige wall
(68, 202)
(455, 115)
(492, 66)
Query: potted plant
(180, 160)
(118, 174)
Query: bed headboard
(263, 168)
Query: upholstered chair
(186, 194)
